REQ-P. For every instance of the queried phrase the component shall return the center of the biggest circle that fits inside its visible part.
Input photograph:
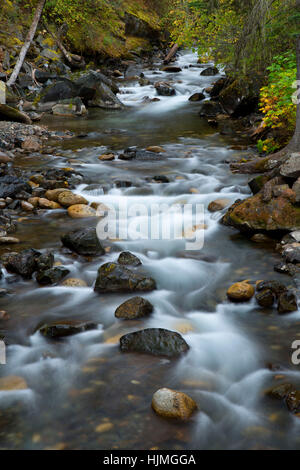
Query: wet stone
(84, 242)
(113, 277)
(62, 329)
(52, 276)
(137, 307)
(287, 302)
(128, 259)
(265, 298)
(154, 341)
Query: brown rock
(4, 158)
(254, 214)
(67, 199)
(81, 211)
(27, 206)
(34, 201)
(31, 145)
(106, 157)
(136, 307)
(218, 205)
(155, 149)
(12, 382)
(172, 404)
(240, 292)
(52, 194)
(72, 282)
(46, 204)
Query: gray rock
(52, 275)
(291, 167)
(128, 259)
(84, 242)
(113, 277)
(155, 341)
(65, 328)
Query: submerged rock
(113, 277)
(128, 259)
(64, 328)
(84, 242)
(171, 69)
(52, 276)
(73, 282)
(240, 292)
(137, 307)
(172, 404)
(155, 341)
(218, 205)
(12, 382)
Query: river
(83, 392)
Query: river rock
(209, 71)
(137, 307)
(253, 214)
(218, 205)
(155, 149)
(291, 167)
(26, 206)
(164, 89)
(128, 259)
(23, 263)
(11, 185)
(52, 194)
(44, 261)
(281, 391)
(81, 211)
(31, 144)
(210, 109)
(287, 302)
(275, 286)
(73, 282)
(155, 341)
(4, 158)
(265, 298)
(172, 404)
(114, 277)
(84, 242)
(67, 199)
(52, 276)
(172, 69)
(293, 401)
(197, 97)
(291, 253)
(107, 157)
(46, 204)
(61, 329)
(12, 382)
(240, 292)
(9, 240)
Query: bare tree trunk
(171, 54)
(27, 43)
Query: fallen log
(7, 113)
(171, 54)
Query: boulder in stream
(23, 263)
(136, 307)
(128, 259)
(154, 341)
(84, 242)
(241, 292)
(52, 276)
(113, 277)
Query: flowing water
(83, 393)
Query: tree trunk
(27, 43)
(171, 54)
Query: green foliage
(276, 99)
